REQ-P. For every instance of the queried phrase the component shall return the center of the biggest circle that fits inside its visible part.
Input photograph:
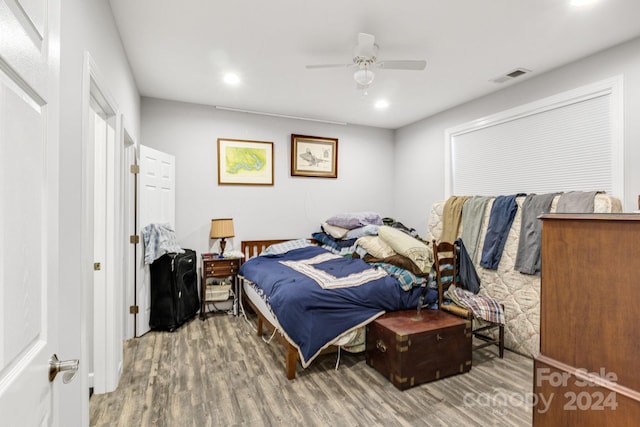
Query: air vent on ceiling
(511, 75)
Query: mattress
(520, 293)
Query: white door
(129, 189)
(29, 117)
(104, 353)
(157, 204)
(103, 235)
(97, 351)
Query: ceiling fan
(365, 61)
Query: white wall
(419, 147)
(86, 25)
(293, 206)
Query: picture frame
(245, 162)
(314, 156)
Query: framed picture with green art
(243, 162)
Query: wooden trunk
(411, 351)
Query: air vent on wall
(511, 75)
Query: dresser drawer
(221, 267)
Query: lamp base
(222, 245)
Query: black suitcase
(174, 290)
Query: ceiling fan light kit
(364, 76)
(365, 60)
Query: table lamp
(221, 228)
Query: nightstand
(218, 282)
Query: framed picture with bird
(314, 156)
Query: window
(571, 141)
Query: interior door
(29, 117)
(97, 347)
(129, 180)
(105, 355)
(156, 204)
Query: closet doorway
(102, 121)
(103, 237)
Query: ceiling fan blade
(366, 41)
(402, 65)
(366, 45)
(329, 66)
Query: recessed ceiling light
(231, 79)
(582, 2)
(380, 104)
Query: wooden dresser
(588, 369)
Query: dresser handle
(438, 337)
(380, 345)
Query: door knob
(69, 367)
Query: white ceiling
(180, 50)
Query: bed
(313, 314)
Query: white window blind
(564, 143)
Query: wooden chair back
(446, 265)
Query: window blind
(561, 146)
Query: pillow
(334, 230)
(289, 245)
(367, 230)
(408, 246)
(355, 219)
(375, 246)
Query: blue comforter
(318, 296)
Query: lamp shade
(221, 228)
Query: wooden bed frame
(252, 248)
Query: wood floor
(217, 372)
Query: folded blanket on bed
(405, 278)
(340, 247)
(351, 220)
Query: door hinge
(135, 169)
(134, 239)
(133, 309)
(96, 266)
